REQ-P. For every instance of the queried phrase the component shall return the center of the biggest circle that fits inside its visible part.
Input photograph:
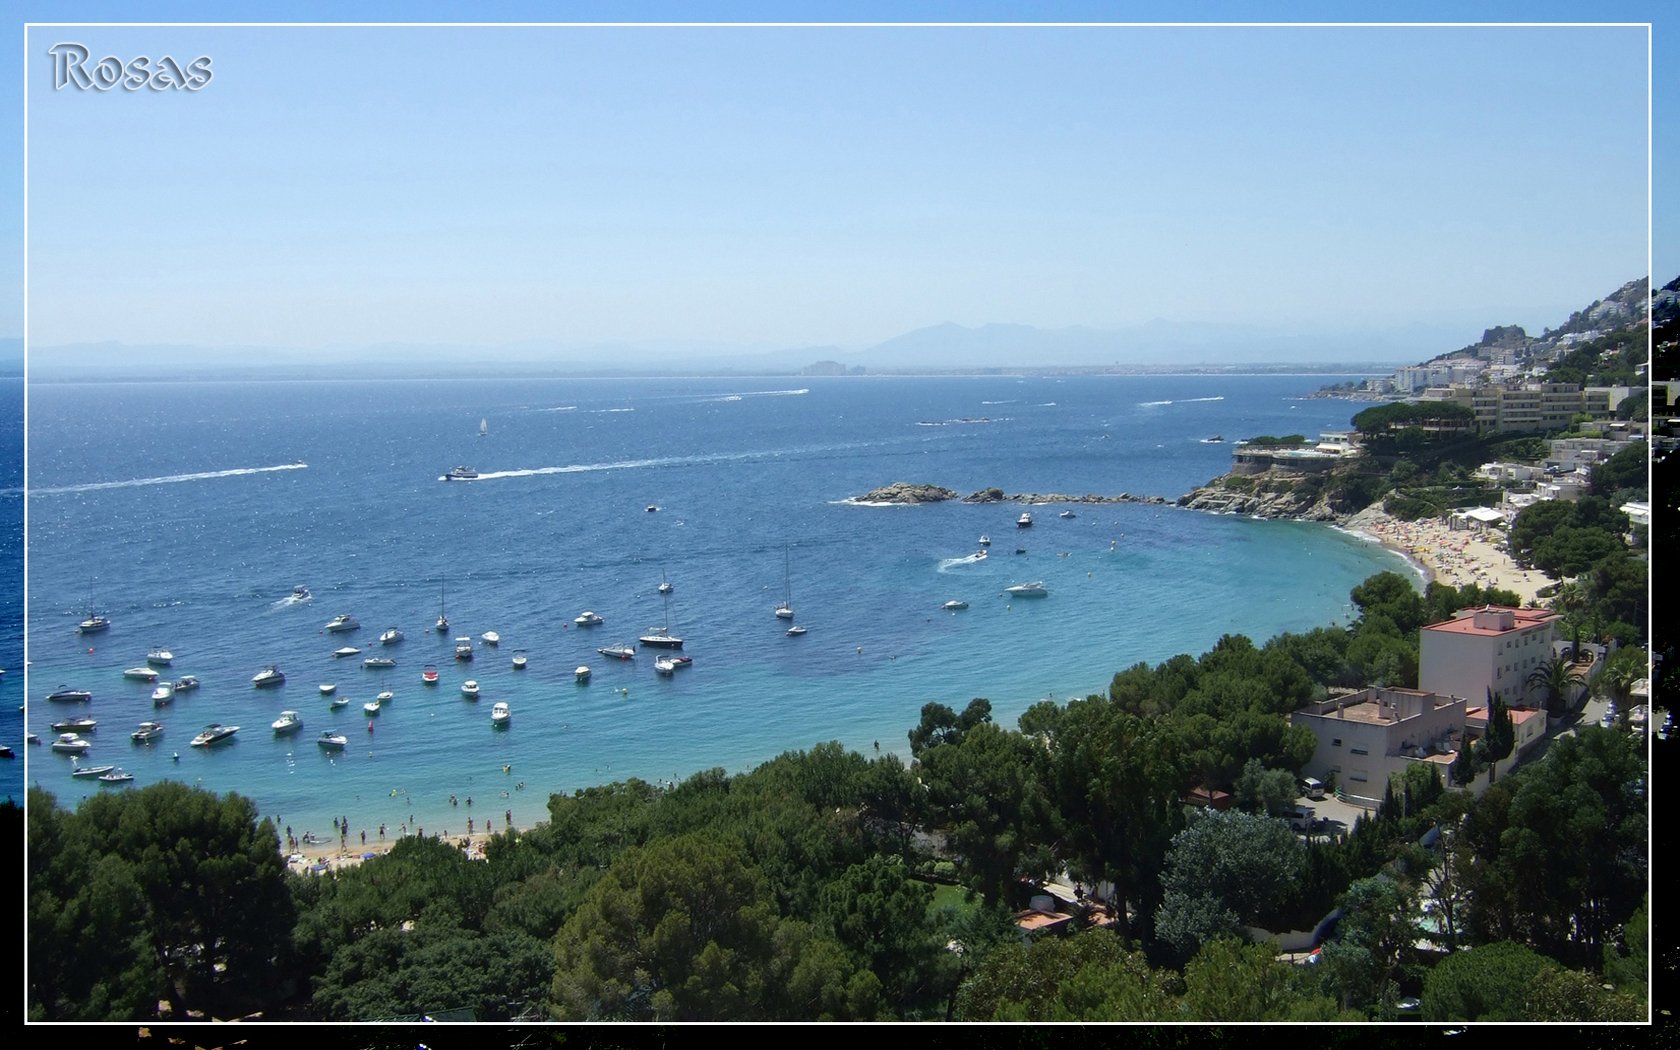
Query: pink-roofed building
(1488, 650)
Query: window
(1337, 742)
(1358, 751)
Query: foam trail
(168, 479)
(673, 461)
(947, 564)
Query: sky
(802, 186)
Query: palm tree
(1556, 679)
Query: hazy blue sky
(796, 186)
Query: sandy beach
(310, 857)
(1455, 556)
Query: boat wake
(1011, 401)
(1180, 401)
(675, 461)
(947, 564)
(168, 479)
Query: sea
(188, 512)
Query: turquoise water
(188, 512)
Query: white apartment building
(1367, 737)
(1492, 649)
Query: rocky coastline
(905, 492)
(1216, 498)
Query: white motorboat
(1025, 520)
(784, 611)
(490, 638)
(463, 648)
(160, 657)
(618, 652)
(379, 662)
(390, 636)
(70, 744)
(985, 540)
(213, 734)
(90, 771)
(346, 650)
(581, 674)
(146, 732)
(588, 619)
(64, 694)
(116, 776)
(341, 622)
(329, 688)
(386, 697)
(665, 585)
(141, 674)
(339, 701)
(331, 741)
(300, 593)
(1068, 514)
(163, 694)
(1027, 590)
(460, 474)
(519, 660)
(429, 675)
(186, 683)
(79, 724)
(370, 708)
(500, 715)
(665, 666)
(981, 555)
(288, 722)
(795, 631)
(469, 689)
(442, 625)
(955, 604)
(268, 677)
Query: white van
(1312, 788)
(1301, 818)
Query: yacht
(1025, 520)
(784, 611)
(70, 744)
(141, 674)
(342, 622)
(469, 689)
(80, 724)
(186, 683)
(661, 637)
(588, 619)
(213, 734)
(500, 715)
(1027, 590)
(519, 660)
(64, 695)
(346, 650)
(390, 637)
(90, 771)
(379, 662)
(93, 625)
(442, 625)
(581, 674)
(116, 776)
(429, 675)
(463, 648)
(146, 732)
(954, 604)
(288, 722)
(160, 657)
(268, 676)
(331, 741)
(618, 652)
(490, 638)
(460, 474)
(163, 694)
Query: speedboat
(581, 674)
(1027, 590)
(795, 631)
(268, 676)
(64, 694)
(955, 604)
(981, 555)
(339, 701)
(90, 771)
(985, 540)
(186, 683)
(491, 638)
(460, 474)
(1068, 514)
(499, 715)
(618, 652)
(1025, 520)
(70, 744)
(371, 708)
(346, 650)
(160, 657)
(469, 689)
(288, 722)
(164, 693)
(341, 622)
(379, 662)
(331, 741)
(429, 675)
(329, 688)
(146, 732)
(213, 734)
(79, 724)
(463, 648)
(141, 674)
(300, 593)
(391, 636)
(93, 625)
(680, 660)
(116, 776)
(665, 666)
(519, 660)
(588, 619)
(652, 508)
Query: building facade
(1487, 651)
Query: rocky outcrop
(1215, 498)
(904, 492)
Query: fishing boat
(519, 660)
(268, 677)
(214, 733)
(500, 715)
(442, 625)
(160, 657)
(146, 732)
(288, 722)
(429, 675)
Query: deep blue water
(187, 513)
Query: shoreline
(1452, 556)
